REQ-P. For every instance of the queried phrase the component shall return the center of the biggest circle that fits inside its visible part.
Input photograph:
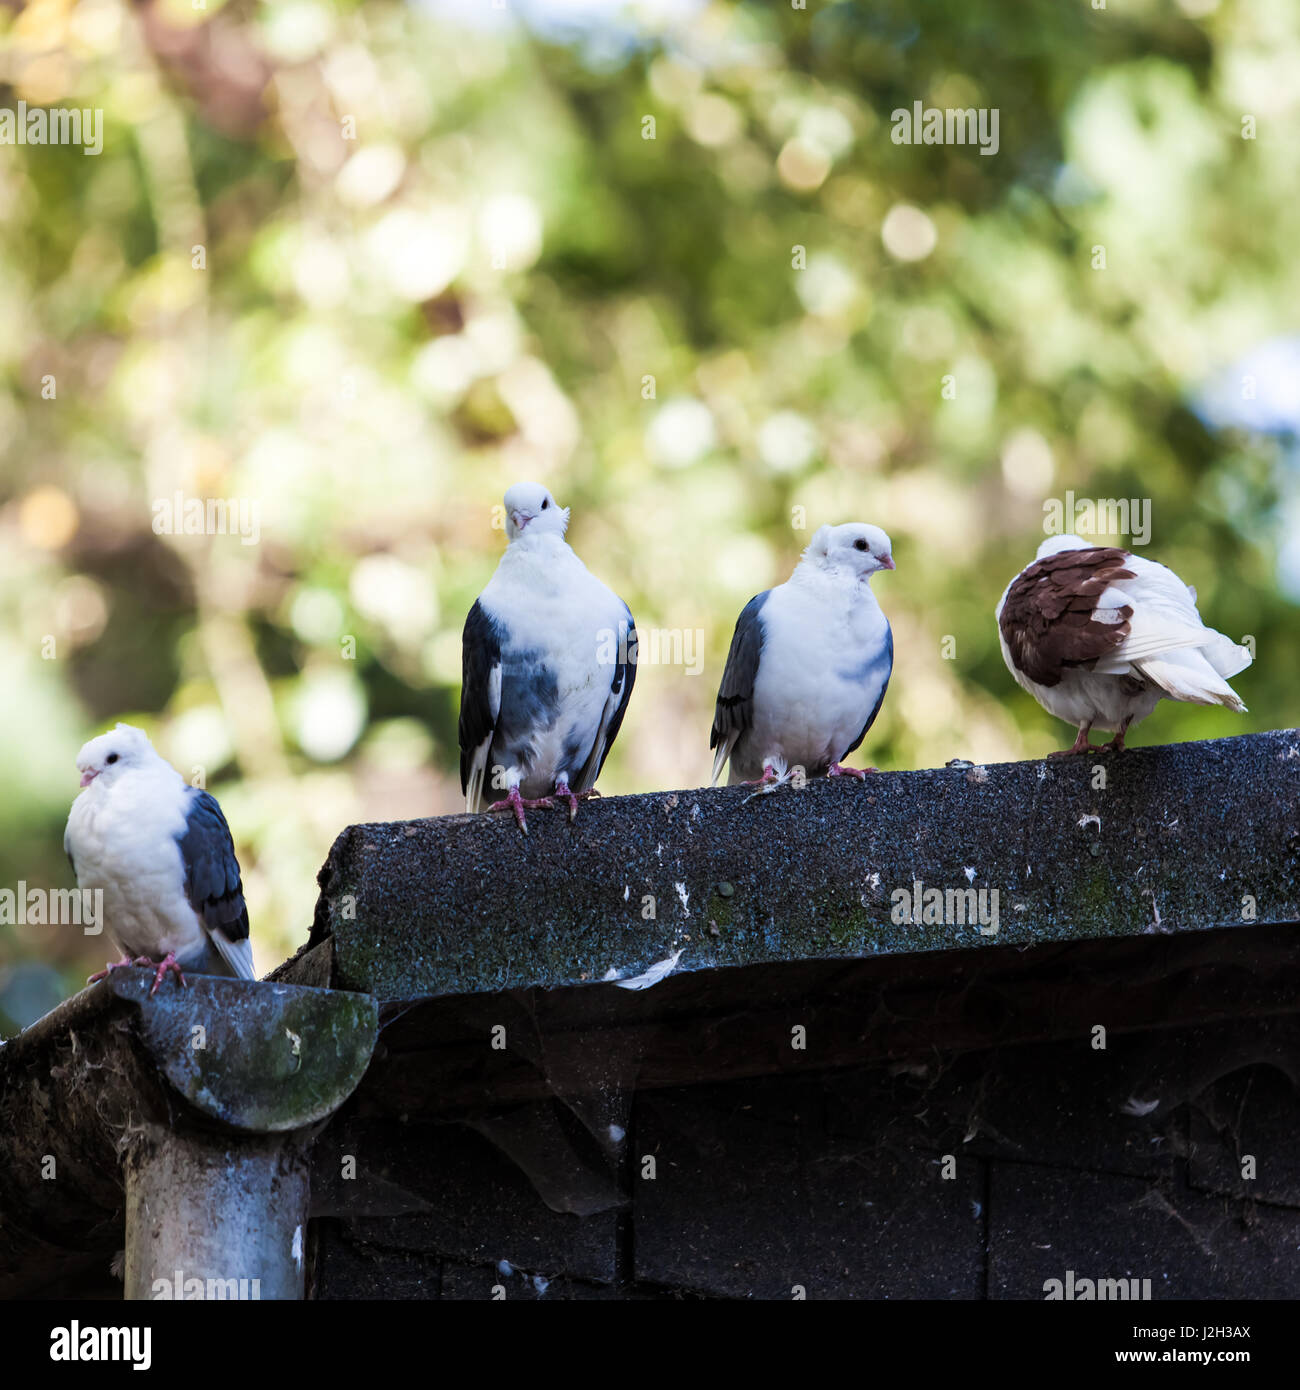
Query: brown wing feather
(1047, 619)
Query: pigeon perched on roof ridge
(549, 662)
(809, 664)
(162, 854)
(1098, 635)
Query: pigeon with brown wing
(1098, 635)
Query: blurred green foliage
(363, 266)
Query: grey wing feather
(734, 712)
(620, 692)
(480, 700)
(212, 882)
(871, 718)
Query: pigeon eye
(112, 758)
(859, 544)
(545, 504)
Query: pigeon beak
(887, 562)
(521, 519)
(88, 777)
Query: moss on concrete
(464, 904)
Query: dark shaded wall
(980, 1175)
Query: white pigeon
(549, 664)
(809, 664)
(161, 853)
(1098, 635)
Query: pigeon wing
(734, 712)
(212, 882)
(611, 719)
(1053, 618)
(480, 700)
(1166, 619)
(880, 699)
(1169, 644)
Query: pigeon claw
(769, 775)
(563, 792)
(116, 965)
(1080, 744)
(518, 804)
(1116, 745)
(836, 770)
(766, 784)
(168, 963)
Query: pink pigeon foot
(518, 804)
(168, 963)
(766, 784)
(116, 965)
(564, 794)
(836, 770)
(1116, 745)
(1080, 745)
(769, 775)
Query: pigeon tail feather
(1188, 676)
(720, 757)
(238, 955)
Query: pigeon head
(531, 508)
(852, 549)
(1053, 545)
(106, 758)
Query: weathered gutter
(190, 1111)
